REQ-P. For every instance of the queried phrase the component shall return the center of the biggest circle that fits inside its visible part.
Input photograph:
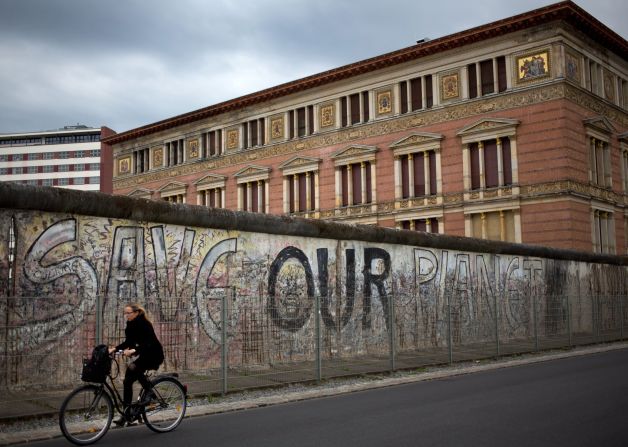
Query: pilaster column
(397, 169)
(338, 190)
(286, 194)
(363, 181)
(410, 175)
(412, 224)
(502, 226)
(373, 185)
(260, 196)
(608, 178)
(317, 205)
(349, 185)
(267, 196)
(222, 198)
(484, 229)
(308, 192)
(241, 197)
(500, 163)
(428, 225)
(592, 162)
(426, 173)
(295, 192)
(466, 167)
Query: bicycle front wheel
(86, 414)
(167, 408)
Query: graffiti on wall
(185, 271)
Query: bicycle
(87, 412)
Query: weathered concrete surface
(79, 254)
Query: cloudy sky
(127, 63)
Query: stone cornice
(520, 98)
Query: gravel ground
(46, 428)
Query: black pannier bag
(96, 368)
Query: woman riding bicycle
(141, 342)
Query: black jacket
(140, 336)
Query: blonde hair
(138, 308)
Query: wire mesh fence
(225, 342)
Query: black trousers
(134, 371)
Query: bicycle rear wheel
(86, 414)
(167, 408)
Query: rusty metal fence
(228, 343)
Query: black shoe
(148, 397)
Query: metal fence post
(391, 331)
(496, 326)
(99, 319)
(223, 342)
(621, 317)
(569, 321)
(536, 322)
(449, 340)
(319, 366)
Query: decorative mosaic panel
(533, 66)
(572, 67)
(193, 149)
(124, 165)
(327, 115)
(276, 128)
(158, 157)
(233, 139)
(384, 102)
(450, 86)
(609, 85)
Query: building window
(48, 168)
(253, 189)
(212, 143)
(174, 192)
(79, 154)
(32, 169)
(18, 170)
(94, 180)
(94, 166)
(416, 94)
(47, 182)
(78, 180)
(254, 133)
(417, 165)
(95, 153)
(300, 185)
(623, 144)
(487, 77)
(33, 156)
(175, 152)
(63, 168)
(603, 231)
(355, 176)
(494, 225)
(428, 225)
(301, 122)
(489, 158)
(141, 160)
(63, 155)
(17, 157)
(63, 181)
(599, 131)
(210, 191)
(355, 109)
(491, 163)
(49, 155)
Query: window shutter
(355, 108)
(302, 195)
(403, 93)
(501, 74)
(419, 175)
(507, 161)
(486, 77)
(356, 173)
(416, 93)
(490, 164)
(473, 81)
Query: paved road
(581, 401)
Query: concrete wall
(80, 246)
